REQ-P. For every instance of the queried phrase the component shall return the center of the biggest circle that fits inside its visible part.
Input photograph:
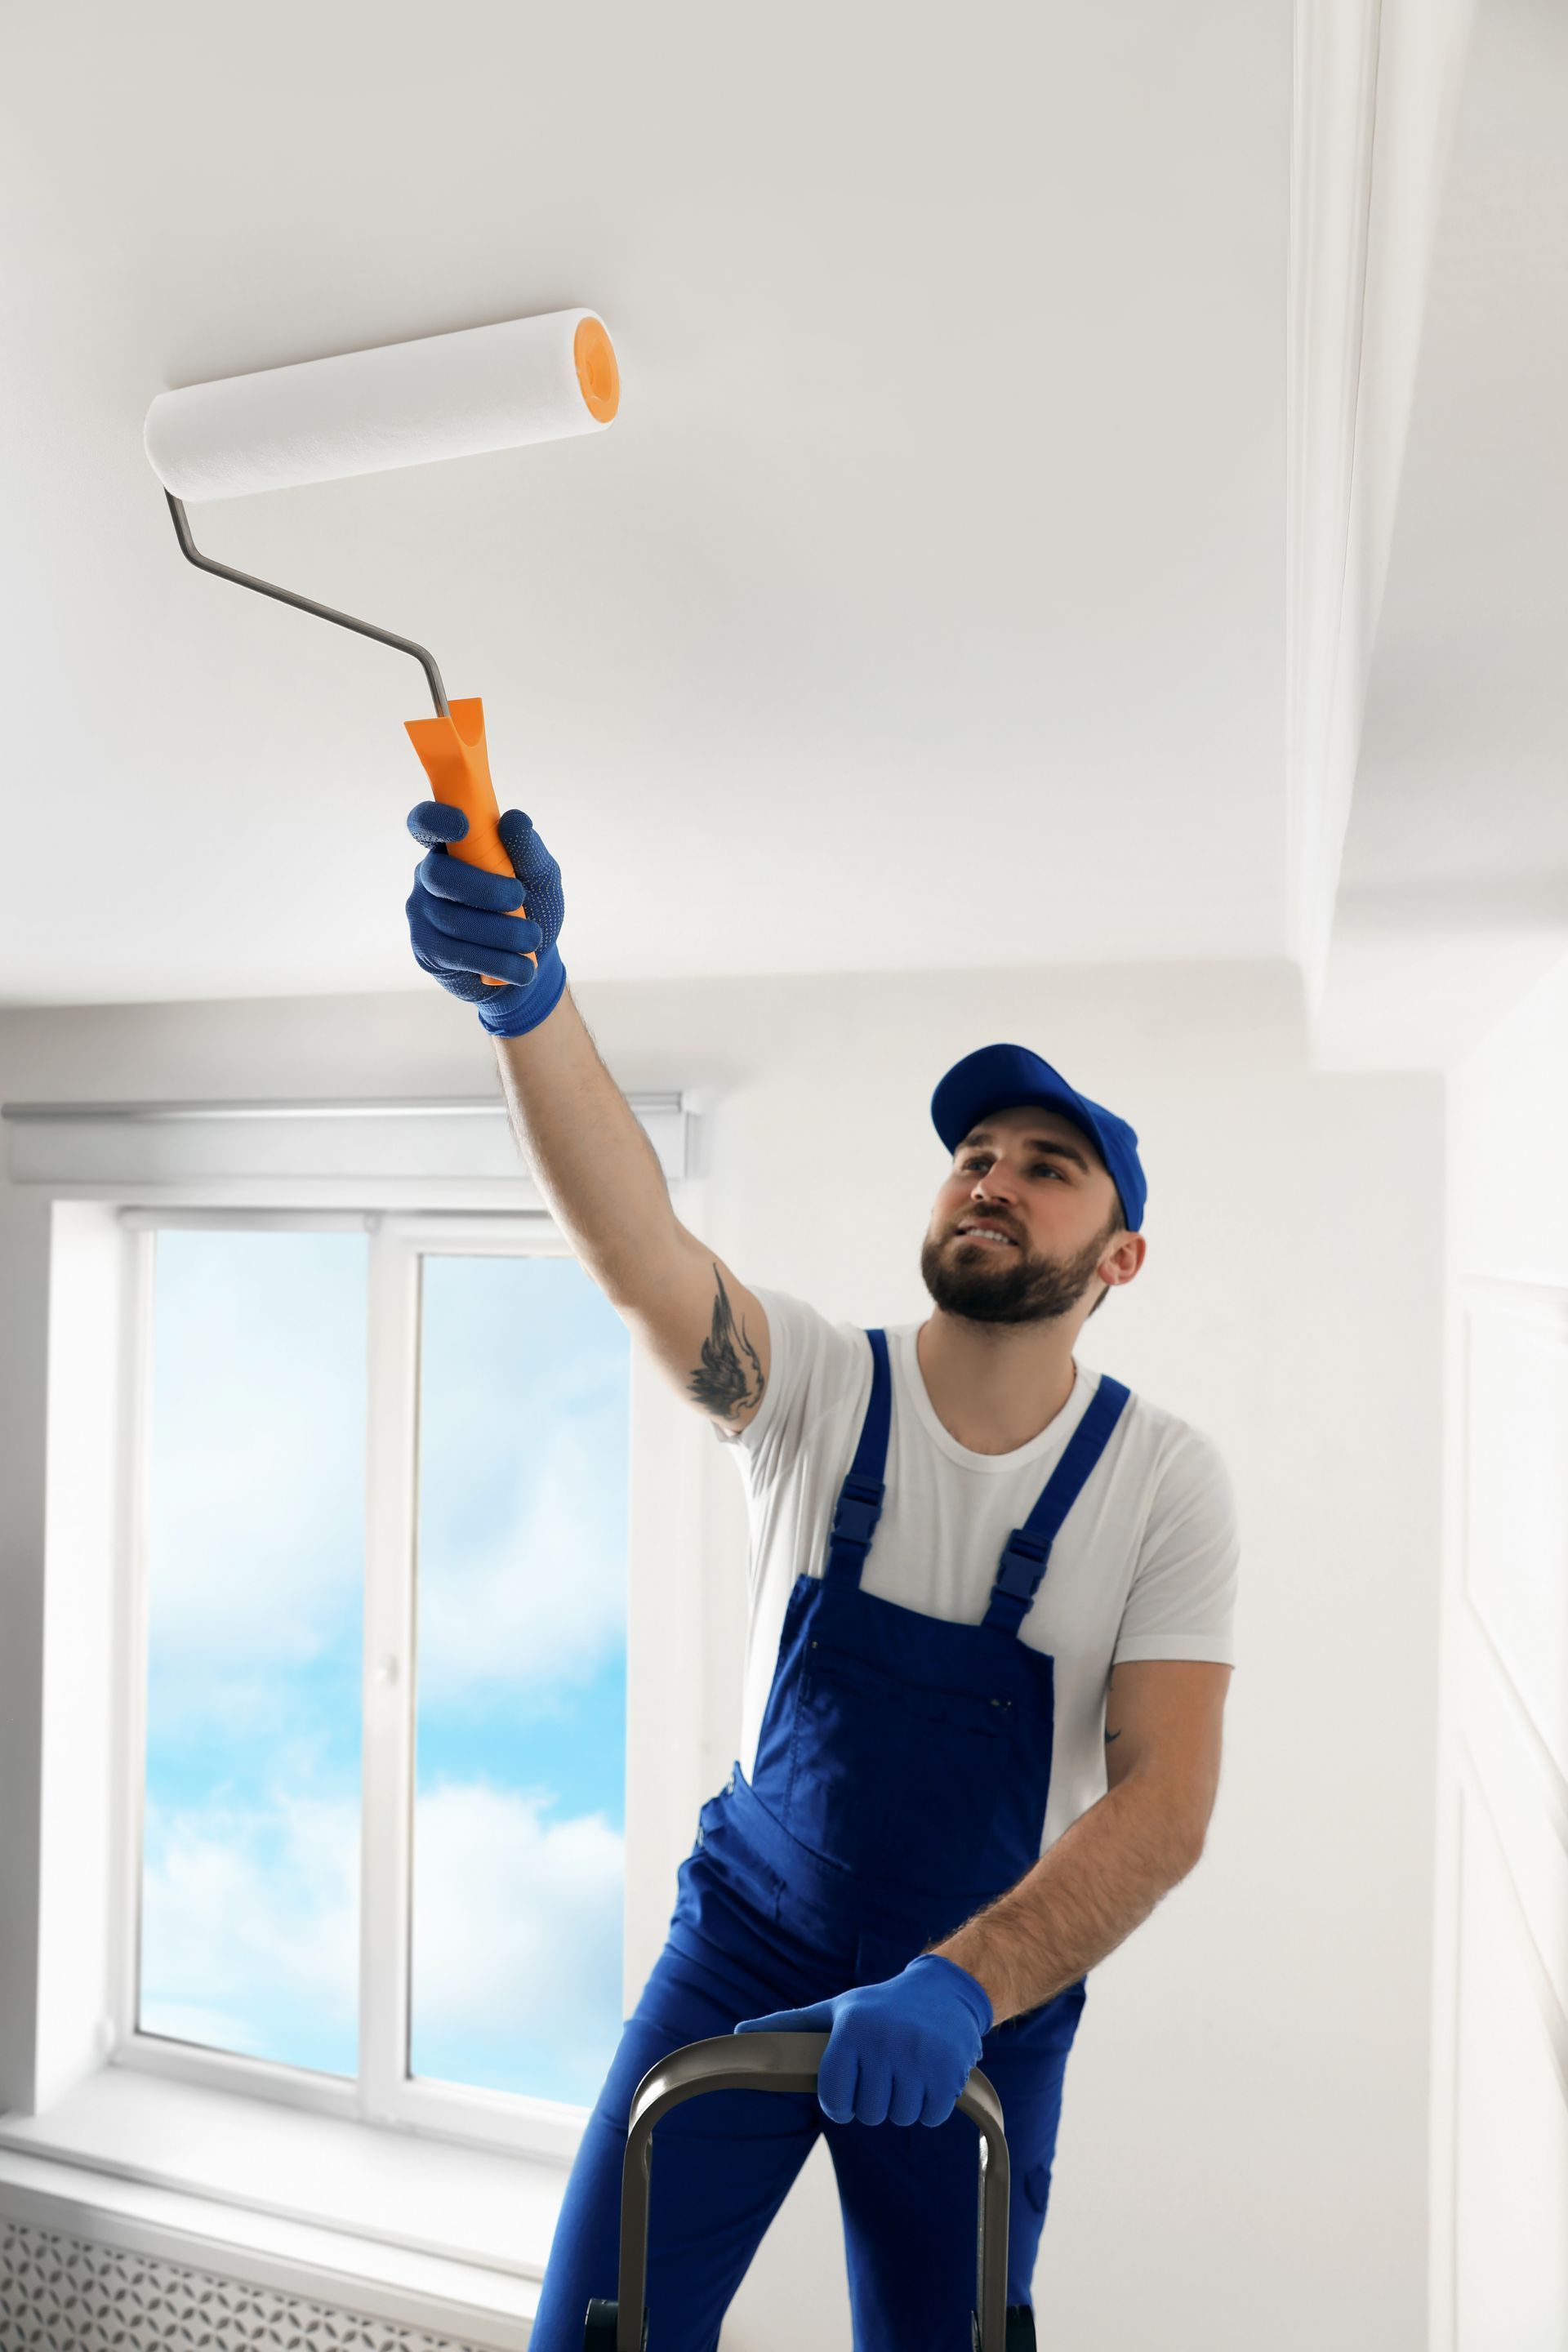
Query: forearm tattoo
(729, 1377)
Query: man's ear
(1125, 1257)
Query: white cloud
(517, 1918)
(250, 1930)
(257, 1459)
(247, 1705)
(544, 1599)
(254, 1908)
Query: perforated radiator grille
(65, 2295)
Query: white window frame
(515, 2123)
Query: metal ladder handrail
(788, 2062)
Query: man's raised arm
(596, 1169)
(603, 1185)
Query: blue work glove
(897, 2052)
(459, 924)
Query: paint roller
(457, 395)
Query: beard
(1020, 1289)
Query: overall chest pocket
(895, 1777)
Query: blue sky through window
(250, 1920)
(521, 1648)
(256, 1575)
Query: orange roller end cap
(598, 376)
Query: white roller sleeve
(364, 411)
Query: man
(913, 1852)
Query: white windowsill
(447, 2238)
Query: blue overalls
(900, 1783)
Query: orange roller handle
(453, 754)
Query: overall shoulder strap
(860, 1497)
(1028, 1548)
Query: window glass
(520, 1678)
(249, 1927)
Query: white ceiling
(926, 601)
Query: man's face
(1021, 1224)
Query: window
(383, 1564)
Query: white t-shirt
(1145, 1567)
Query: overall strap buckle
(1023, 1564)
(859, 1509)
(859, 1505)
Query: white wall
(1500, 2141)
(1243, 2157)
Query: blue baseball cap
(1001, 1078)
